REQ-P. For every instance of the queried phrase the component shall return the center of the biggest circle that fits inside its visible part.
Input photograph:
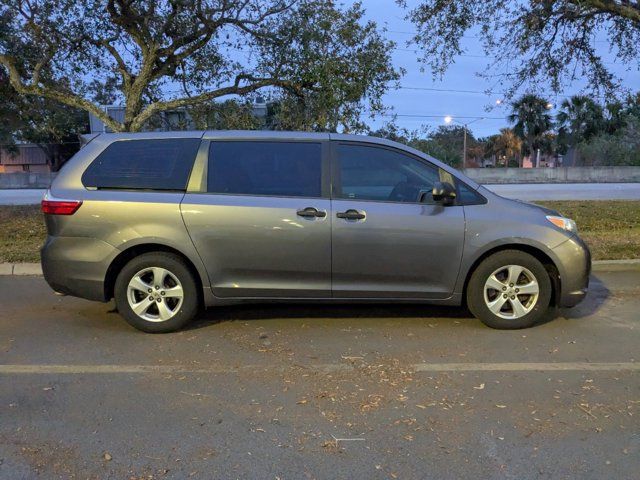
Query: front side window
(284, 169)
(150, 164)
(375, 173)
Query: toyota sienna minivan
(167, 223)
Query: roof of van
(253, 134)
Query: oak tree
(169, 54)
(533, 43)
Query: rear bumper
(574, 265)
(77, 266)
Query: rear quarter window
(151, 164)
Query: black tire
(186, 311)
(476, 294)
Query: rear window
(154, 164)
(285, 169)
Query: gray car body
(250, 248)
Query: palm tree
(579, 119)
(505, 145)
(531, 119)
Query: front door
(263, 226)
(385, 242)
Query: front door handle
(311, 212)
(351, 214)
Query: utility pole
(448, 119)
(464, 147)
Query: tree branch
(235, 89)
(619, 9)
(62, 97)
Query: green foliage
(445, 143)
(531, 119)
(532, 43)
(227, 115)
(505, 146)
(318, 58)
(8, 108)
(51, 125)
(620, 148)
(441, 152)
(343, 56)
(579, 119)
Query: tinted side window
(467, 196)
(375, 173)
(153, 164)
(284, 169)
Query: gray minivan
(167, 223)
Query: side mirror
(444, 192)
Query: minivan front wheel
(156, 292)
(510, 289)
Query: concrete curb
(20, 269)
(615, 265)
(597, 266)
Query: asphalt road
(569, 191)
(264, 391)
(532, 191)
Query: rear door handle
(351, 214)
(311, 212)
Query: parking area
(319, 391)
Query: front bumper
(77, 266)
(573, 260)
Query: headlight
(563, 223)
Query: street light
(448, 119)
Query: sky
(461, 76)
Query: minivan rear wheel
(156, 292)
(510, 289)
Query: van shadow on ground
(262, 311)
(598, 294)
(596, 297)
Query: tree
(227, 115)
(52, 126)
(532, 43)
(579, 119)
(531, 120)
(446, 144)
(619, 142)
(506, 146)
(620, 148)
(168, 54)
(8, 108)
(617, 113)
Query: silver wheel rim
(511, 292)
(155, 294)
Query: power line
(417, 115)
(405, 32)
(453, 90)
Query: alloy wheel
(511, 292)
(155, 294)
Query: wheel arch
(129, 253)
(535, 251)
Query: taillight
(60, 207)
